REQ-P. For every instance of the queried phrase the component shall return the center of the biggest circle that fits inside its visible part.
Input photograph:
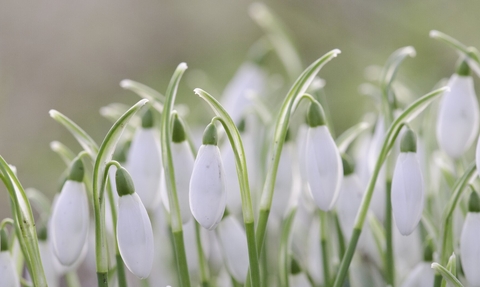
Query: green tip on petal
(315, 115)
(295, 267)
(474, 202)
(121, 152)
(241, 126)
(42, 233)
(226, 213)
(428, 252)
(210, 136)
(462, 68)
(3, 240)
(348, 165)
(409, 142)
(148, 119)
(124, 182)
(77, 170)
(178, 134)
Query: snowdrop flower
(469, 247)
(134, 230)
(422, 274)
(233, 242)
(70, 219)
(8, 275)
(144, 162)
(183, 161)
(458, 117)
(47, 256)
(284, 179)
(207, 185)
(350, 197)
(407, 186)
(324, 165)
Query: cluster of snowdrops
(265, 197)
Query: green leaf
(25, 224)
(393, 63)
(63, 151)
(87, 143)
(447, 275)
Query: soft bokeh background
(71, 56)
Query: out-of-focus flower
(324, 165)
(284, 179)
(233, 241)
(207, 185)
(144, 162)
(134, 230)
(458, 117)
(407, 186)
(469, 247)
(8, 274)
(70, 219)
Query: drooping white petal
(324, 167)
(207, 187)
(458, 117)
(470, 249)
(348, 203)
(233, 241)
(8, 275)
(183, 161)
(408, 251)
(215, 260)
(234, 200)
(144, 163)
(407, 192)
(422, 275)
(135, 235)
(191, 249)
(46, 254)
(69, 222)
(283, 182)
(248, 78)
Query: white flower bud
(233, 241)
(135, 235)
(324, 167)
(144, 163)
(470, 249)
(407, 192)
(207, 187)
(69, 222)
(348, 203)
(458, 117)
(8, 276)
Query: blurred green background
(71, 56)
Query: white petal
(315, 263)
(324, 167)
(470, 249)
(234, 200)
(70, 222)
(207, 188)
(134, 235)
(183, 161)
(348, 203)
(422, 275)
(46, 254)
(407, 192)
(144, 163)
(283, 182)
(458, 117)
(8, 276)
(233, 241)
(299, 280)
(248, 78)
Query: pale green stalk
(175, 215)
(447, 275)
(284, 260)
(411, 112)
(72, 279)
(24, 224)
(237, 146)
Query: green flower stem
(72, 279)
(447, 232)
(324, 246)
(204, 274)
(454, 43)
(284, 259)
(447, 275)
(122, 278)
(155, 98)
(340, 236)
(165, 137)
(241, 163)
(63, 151)
(24, 224)
(410, 113)
(104, 155)
(389, 252)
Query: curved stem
(411, 112)
(242, 172)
